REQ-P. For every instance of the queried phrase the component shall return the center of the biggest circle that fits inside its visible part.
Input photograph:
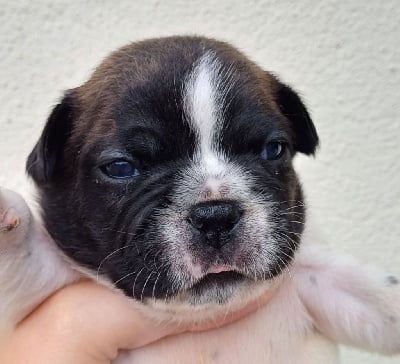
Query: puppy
(168, 175)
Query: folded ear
(306, 138)
(42, 161)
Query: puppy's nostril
(194, 222)
(236, 215)
(214, 220)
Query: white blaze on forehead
(204, 97)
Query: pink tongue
(220, 268)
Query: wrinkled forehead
(207, 108)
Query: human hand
(88, 324)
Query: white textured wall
(342, 55)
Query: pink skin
(9, 220)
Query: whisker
(295, 207)
(144, 260)
(125, 276)
(134, 282)
(108, 256)
(284, 235)
(294, 233)
(166, 296)
(154, 286)
(290, 213)
(285, 266)
(155, 257)
(297, 222)
(144, 286)
(119, 231)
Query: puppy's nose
(215, 220)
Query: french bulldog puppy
(168, 175)
(321, 299)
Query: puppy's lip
(218, 268)
(221, 279)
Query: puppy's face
(170, 172)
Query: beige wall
(342, 55)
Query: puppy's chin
(209, 299)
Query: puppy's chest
(270, 336)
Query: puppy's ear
(42, 161)
(306, 138)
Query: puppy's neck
(180, 311)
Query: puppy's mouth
(221, 279)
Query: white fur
(325, 299)
(204, 94)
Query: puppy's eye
(272, 151)
(120, 169)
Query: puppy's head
(170, 172)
